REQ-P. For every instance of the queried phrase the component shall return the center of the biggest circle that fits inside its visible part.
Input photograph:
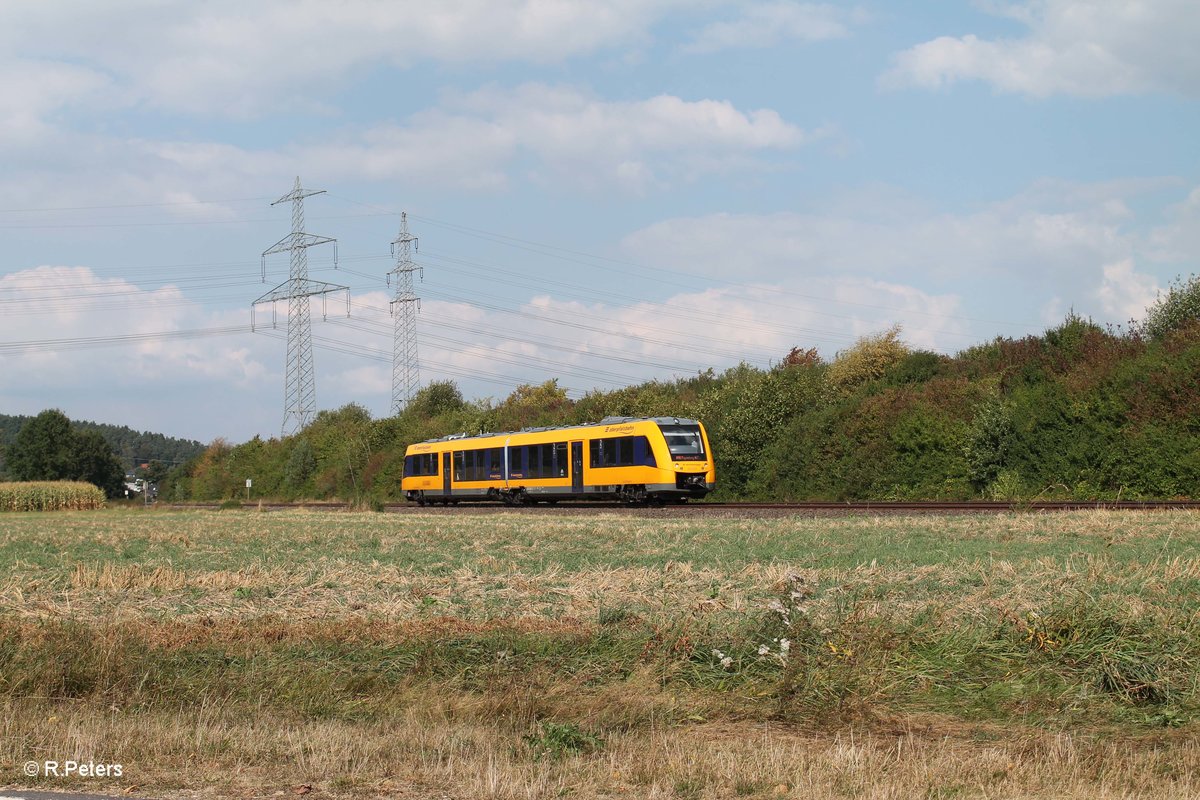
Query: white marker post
(248, 490)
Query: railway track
(746, 509)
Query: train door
(577, 467)
(446, 472)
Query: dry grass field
(247, 654)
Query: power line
(169, 223)
(548, 342)
(87, 342)
(605, 327)
(134, 205)
(541, 248)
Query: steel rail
(867, 506)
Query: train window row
(532, 461)
(420, 465)
(479, 465)
(621, 451)
(538, 461)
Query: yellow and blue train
(634, 460)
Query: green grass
(440, 544)
(607, 624)
(1059, 618)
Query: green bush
(868, 360)
(1179, 307)
(989, 439)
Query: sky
(603, 192)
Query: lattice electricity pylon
(299, 388)
(405, 369)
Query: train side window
(626, 451)
(560, 459)
(533, 468)
(594, 453)
(431, 464)
(458, 465)
(495, 464)
(610, 452)
(643, 455)
(408, 466)
(547, 461)
(514, 461)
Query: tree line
(48, 448)
(58, 448)
(1078, 412)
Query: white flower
(763, 650)
(784, 646)
(726, 662)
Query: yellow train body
(620, 458)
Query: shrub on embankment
(50, 496)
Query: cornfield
(50, 496)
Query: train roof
(606, 421)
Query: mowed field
(246, 654)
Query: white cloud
(767, 24)
(1005, 263)
(246, 59)
(34, 90)
(159, 377)
(1178, 239)
(73, 303)
(1001, 240)
(476, 141)
(1092, 48)
(1125, 294)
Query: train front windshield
(684, 442)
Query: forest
(132, 448)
